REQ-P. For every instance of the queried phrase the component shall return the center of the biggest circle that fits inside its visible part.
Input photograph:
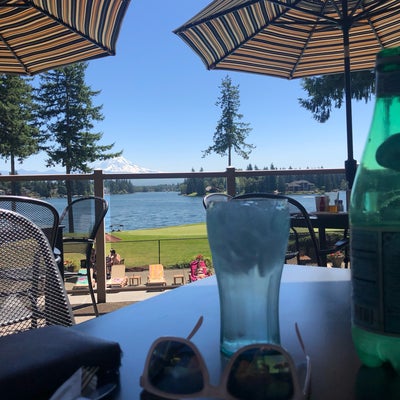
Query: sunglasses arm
(306, 388)
(195, 328)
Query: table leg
(322, 244)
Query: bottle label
(375, 269)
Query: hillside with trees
(292, 183)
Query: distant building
(300, 186)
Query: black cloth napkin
(34, 363)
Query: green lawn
(171, 232)
(171, 246)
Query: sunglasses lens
(174, 368)
(261, 374)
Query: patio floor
(82, 306)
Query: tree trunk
(12, 172)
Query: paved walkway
(81, 303)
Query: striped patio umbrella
(37, 35)
(295, 39)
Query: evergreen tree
(190, 184)
(19, 137)
(327, 91)
(230, 133)
(67, 112)
(200, 186)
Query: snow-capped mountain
(114, 165)
(120, 164)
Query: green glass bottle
(375, 225)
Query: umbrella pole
(350, 164)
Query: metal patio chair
(81, 220)
(32, 293)
(301, 212)
(295, 208)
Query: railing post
(100, 242)
(230, 181)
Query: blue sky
(159, 104)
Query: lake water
(160, 209)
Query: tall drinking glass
(248, 241)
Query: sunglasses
(174, 369)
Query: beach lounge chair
(156, 275)
(118, 277)
(82, 280)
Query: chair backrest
(81, 220)
(83, 216)
(295, 208)
(118, 271)
(32, 293)
(41, 213)
(215, 197)
(156, 272)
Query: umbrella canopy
(295, 39)
(37, 35)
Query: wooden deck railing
(98, 177)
